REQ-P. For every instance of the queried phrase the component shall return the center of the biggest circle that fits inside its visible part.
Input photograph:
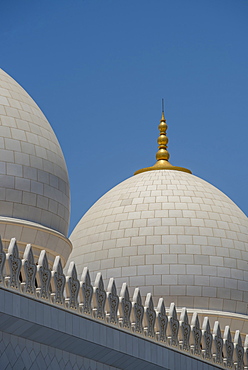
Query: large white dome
(34, 181)
(172, 234)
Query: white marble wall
(17, 353)
(36, 335)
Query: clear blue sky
(99, 68)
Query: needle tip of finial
(162, 118)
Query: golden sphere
(162, 140)
(162, 154)
(162, 126)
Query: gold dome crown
(162, 154)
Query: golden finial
(162, 155)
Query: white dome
(34, 181)
(172, 234)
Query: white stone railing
(36, 279)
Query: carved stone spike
(99, 297)
(161, 321)
(28, 271)
(13, 265)
(2, 260)
(125, 307)
(112, 303)
(207, 339)
(228, 348)
(72, 287)
(57, 282)
(137, 312)
(149, 317)
(184, 330)
(173, 326)
(238, 354)
(43, 277)
(85, 292)
(195, 335)
(217, 344)
(246, 353)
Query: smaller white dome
(34, 182)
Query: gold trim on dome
(162, 154)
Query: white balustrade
(53, 287)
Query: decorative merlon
(173, 330)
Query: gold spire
(162, 155)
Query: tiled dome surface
(34, 181)
(172, 234)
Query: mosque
(154, 275)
